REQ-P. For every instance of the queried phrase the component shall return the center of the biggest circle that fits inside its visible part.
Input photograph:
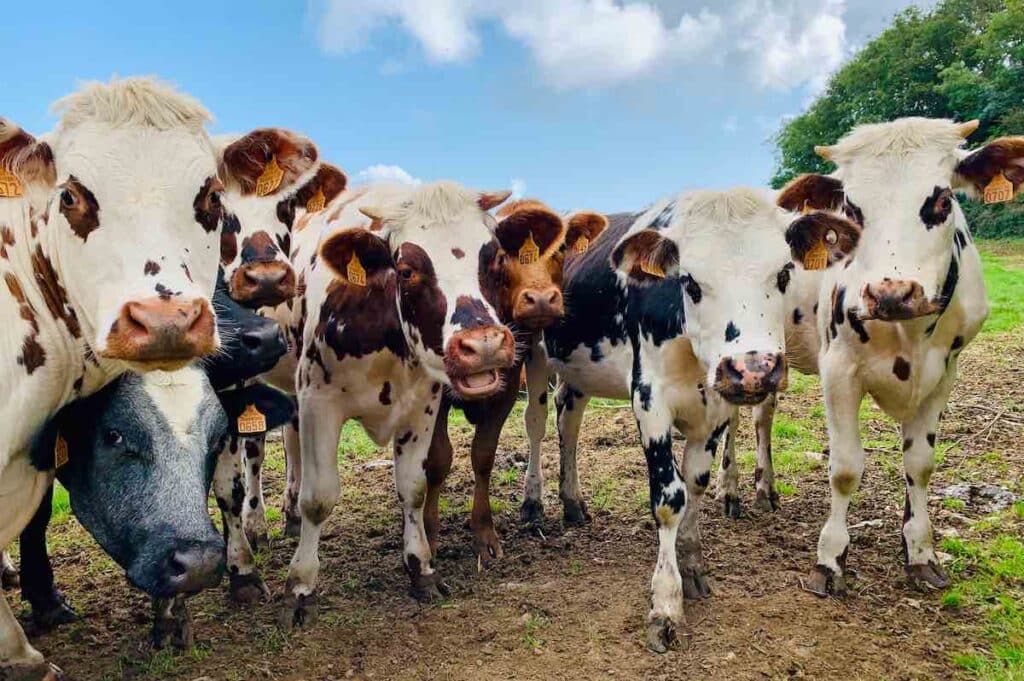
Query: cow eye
(112, 437)
(267, 155)
(67, 198)
(831, 237)
(693, 290)
(214, 199)
(405, 273)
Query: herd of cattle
(133, 244)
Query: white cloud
(386, 173)
(775, 44)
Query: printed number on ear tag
(270, 180)
(251, 421)
(60, 452)
(10, 185)
(355, 273)
(316, 202)
(652, 268)
(999, 190)
(529, 252)
(581, 245)
(816, 258)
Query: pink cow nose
(538, 308)
(159, 329)
(751, 377)
(896, 299)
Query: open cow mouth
(480, 384)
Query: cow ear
(811, 192)
(24, 161)
(646, 256)
(1003, 155)
(809, 233)
(535, 226)
(357, 256)
(489, 200)
(328, 182)
(276, 407)
(583, 228)
(268, 161)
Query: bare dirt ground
(570, 603)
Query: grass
(533, 624)
(1004, 279)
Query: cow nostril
(529, 299)
(554, 298)
(251, 341)
(466, 350)
(176, 566)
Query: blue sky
(597, 104)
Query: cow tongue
(480, 380)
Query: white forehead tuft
(132, 101)
(898, 138)
(177, 396)
(436, 202)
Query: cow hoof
(10, 579)
(695, 584)
(258, 540)
(175, 630)
(766, 503)
(248, 588)
(661, 634)
(55, 613)
(429, 588)
(43, 671)
(299, 611)
(824, 582)
(292, 526)
(928, 575)
(532, 511)
(731, 507)
(488, 549)
(574, 512)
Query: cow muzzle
(536, 309)
(893, 300)
(162, 333)
(751, 377)
(264, 345)
(475, 358)
(259, 284)
(194, 566)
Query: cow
(522, 279)
(390, 318)
(679, 308)
(894, 319)
(109, 232)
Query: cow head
(127, 206)
(725, 254)
(897, 180)
(265, 172)
(430, 240)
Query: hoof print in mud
(927, 576)
(299, 611)
(248, 588)
(824, 582)
(532, 511)
(731, 507)
(574, 512)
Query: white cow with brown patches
(127, 179)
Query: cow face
(897, 179)
(265, 172)
(432, 238)
(727, 252)
(127, 210)
(140, 456)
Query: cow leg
(766, 499)
(172, 623)
(536, 420)
(254, 512)
(919, 558)
(569, 407)
(729, 472)
(320, 421)
(244, 582)
(439, 464)
(845, 468)
(486, 542)
(293, 474)
(49, 608)
(411, 484)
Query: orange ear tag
(806, 210)
(581, 245)
(651, 268)
(355, 273)
(316, 202)
(999, 190)
(529, 252)
(816, 257)
(251, 421)
(10, 185)
(270, 180)
(60, 452)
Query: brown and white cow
(895, 317)
(110, 227)
(388, 320)
(522, 278)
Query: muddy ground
(569, 603)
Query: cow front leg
(49, 607)
(766, 498)
(293, 477)
(535, 418)
(698, 456)
(172, 624)
(729, 472)
(9, 577)
(845, 468)
(254, 512)
(569, 406)
(245, 585)
(439, 464)
(486, 542)
(320, 421)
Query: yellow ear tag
(10, 185)
(270, 180)
(581, 245)
(60, 452)
(355, 273)
(999, 190)
(816, 257)
(806, 210)
(251, 421)
(316, 202)
(529, 252)
(652, 268)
